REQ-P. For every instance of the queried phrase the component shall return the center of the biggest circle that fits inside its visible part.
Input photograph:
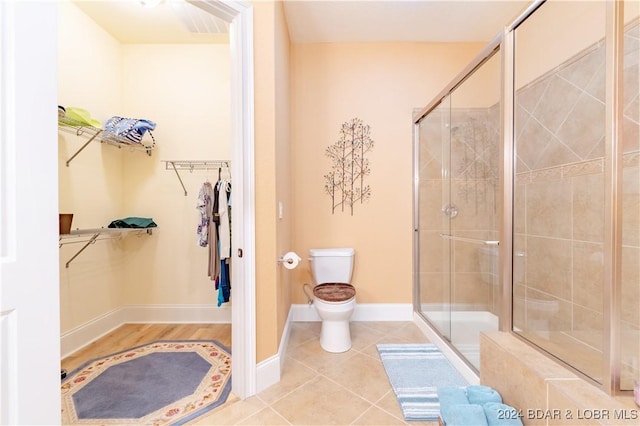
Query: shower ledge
(543, 390)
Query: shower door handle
(450, 210)
(470, 240)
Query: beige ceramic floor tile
(294, 374)
(313, 356)
(376, 416)
(321, 402)
(363, 336)
(362, 375)
(372, 350)
(412, 334)
(389, 403)
(302, 332)
(409, 333)
(323, 388)
(265, 417)
(385, 327)
(231, 413)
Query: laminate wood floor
(130, 335)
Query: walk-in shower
(527, 192)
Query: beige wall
(91, 187)
(272, 142)
(185, 89)
(381, 84)
(283, 162)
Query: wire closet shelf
(194, 165)
(91, 133)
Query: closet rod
(192, 165)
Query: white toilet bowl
(335, 303)
(333, 296)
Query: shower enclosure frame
(505, 42)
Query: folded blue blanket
(498, 414)
(131, 129)
(449, 395)
(479, 394)
(463, 415)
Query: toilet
(333, 295)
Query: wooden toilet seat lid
(334, 292)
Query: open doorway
(160, 277)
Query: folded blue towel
(449, 395)
(463, 415)
(479, 394)
(499, 414)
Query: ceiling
(171, 21)
(313, 21)
(417, 20)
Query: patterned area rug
(416, 371)
(160, 383)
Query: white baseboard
(177, 314)
(268, 371)
(383, 312)
(284, 341)
(303, 313)
(362, 312)
(90, 331)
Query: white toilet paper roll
(290, 260)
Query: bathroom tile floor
(321, 388)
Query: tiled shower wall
(560, 202)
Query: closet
(183, 85)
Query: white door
(29, 277)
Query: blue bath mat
(416, 371)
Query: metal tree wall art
(345, 183)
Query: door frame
(239, 14)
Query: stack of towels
(475, 405)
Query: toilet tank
(331, 265)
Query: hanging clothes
(205, 198)
(224, 239)
(214, 232)
(224, 188)
(207, 229)
(224, 284)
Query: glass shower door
(434, 268)
(458, 190)
(472, 211)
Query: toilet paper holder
(289, 260)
